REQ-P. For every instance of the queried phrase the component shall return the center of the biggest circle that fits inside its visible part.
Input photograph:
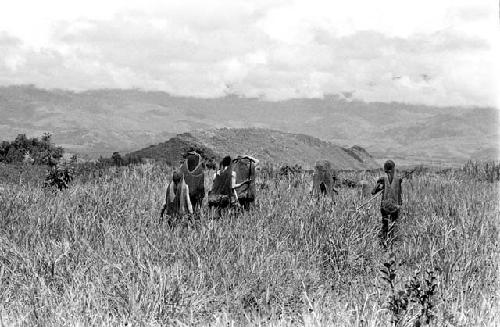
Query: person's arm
(379, 187)
(235, 185)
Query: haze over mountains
(101, 121)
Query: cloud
(276, 49)
(367, 62)
(7, 40)
(472, 13)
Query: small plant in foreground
(414, 300)
(59, 176)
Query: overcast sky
(439, 52)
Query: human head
(176, 177)
(226, 162)
(389, 166)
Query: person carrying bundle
(244, 168)
(223, 193)
(391, 202)
(193, 169)
(177, 201)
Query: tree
(14, 155)
(42, 151)
(45, 153)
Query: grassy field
(98, 254)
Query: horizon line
(336, 96)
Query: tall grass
(98, 254)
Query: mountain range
(98, 122)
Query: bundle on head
(193, 171)
(193, 160)
(245, 169)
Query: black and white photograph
(250, 163)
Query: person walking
(177, 201)
(223, 193)
(193, 170)
(391, 202)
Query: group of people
(225, 192)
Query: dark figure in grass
(177, 201)
(223, 193)
(391, 202)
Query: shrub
(42, 151)
(59, 176)
(415, 301)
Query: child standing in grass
(177, 201)
(391, 201)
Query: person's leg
(393, 221)
(195, 202)
(384, 229)
(249, 203)
(245, 203)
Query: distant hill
(265, 144)
(99, 122)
